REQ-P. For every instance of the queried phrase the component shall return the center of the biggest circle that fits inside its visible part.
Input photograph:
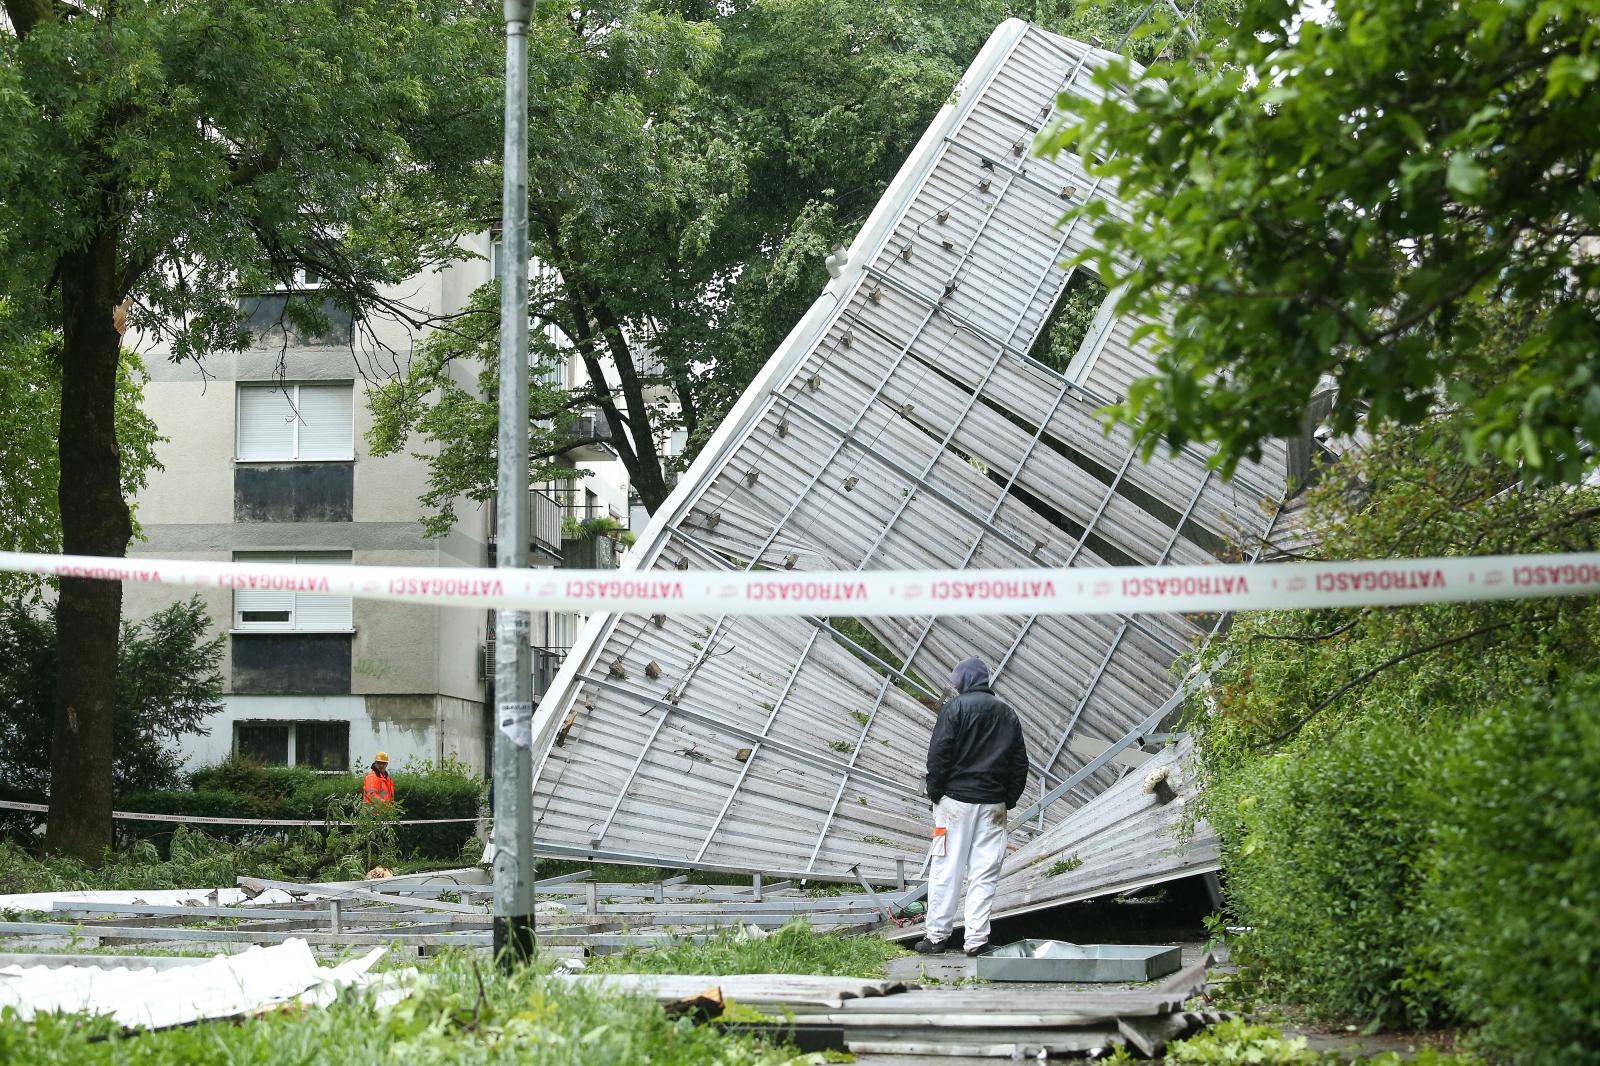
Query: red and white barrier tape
(197, 819)
(1079, 590)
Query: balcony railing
(590, 438)
(544, 533)
(546, 662)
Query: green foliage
(1239, 1041)
(1324, 855)
(1381, 779)
(221, 146)
(30, 414)
(691, 165)
(199, 860)
(599, 526)
(168, 682)
(795, 948)
(1069, 322)
(240, 789)
(459, 420)
(1515, 877)
(465, 1013)
(1064, 866)
(1366, 199)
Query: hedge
(1406, 875)
(1325, 854)
(242, 790)
(1515, 881)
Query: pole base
(514, 942)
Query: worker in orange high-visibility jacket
(378, 786)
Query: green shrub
(195, 859)
(239, 789)
(1516, 875)
(447, 793)
(1325, 853)
(168, 684)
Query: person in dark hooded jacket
(977, 769)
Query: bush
(1325, 855)
(169, 682)
(199, 860)
(239, 789)
(1338, 751)
(1516, 876)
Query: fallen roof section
(158, 994)
(903, 424)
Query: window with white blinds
(286, 422)
(276, 611)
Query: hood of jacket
(970, 674)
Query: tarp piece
(225, 986)
(903, 424)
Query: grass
(795, 948)
(452, 1019)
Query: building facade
(266, 459)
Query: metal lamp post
(513, 681)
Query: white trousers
(974, 846)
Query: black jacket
(977, 754)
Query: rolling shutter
(277, 611)
(326, 431)
(266, 423)
(295, 422)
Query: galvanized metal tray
(1058, 960)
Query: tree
(30, 405)
(165, 158)
(1376, 201)
(168, 682)
(691, 165)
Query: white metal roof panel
(902, 424)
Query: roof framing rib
(902, 424)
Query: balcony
(590, 438)
(546, 662)
(544, 520)
(266, 316)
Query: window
(322, 745)
(266, 743)
(302, 278)
(289, 422)
(563, 630)
(288, 611)
(318, 745)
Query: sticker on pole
(516, 722)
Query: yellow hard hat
(382, 756)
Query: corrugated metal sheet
(901, 425)
(1126, 839)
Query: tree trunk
(94, 521)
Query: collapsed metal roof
(902, 424)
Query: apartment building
(266, 459)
